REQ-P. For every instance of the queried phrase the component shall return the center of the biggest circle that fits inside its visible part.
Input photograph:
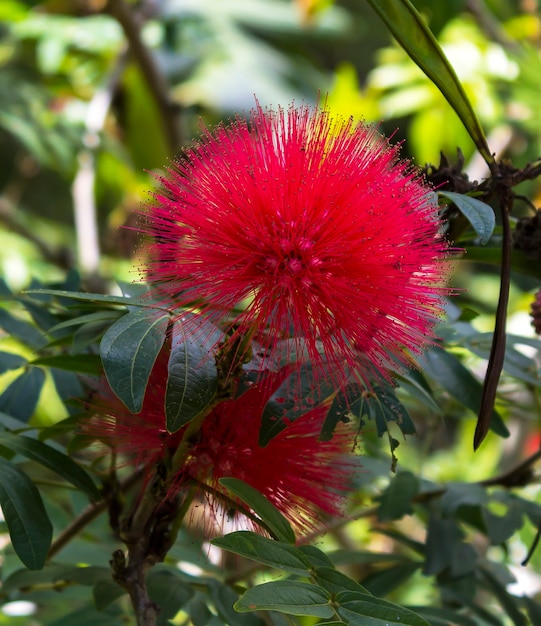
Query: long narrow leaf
(409, 29)
(51, 459)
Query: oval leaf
(29, 526)
(287, 596)
(362, 610)
(334, 581)
(193, 376)
(479, 215)
(52, 459)
(265, 510)
(128, 351)
(266, 551)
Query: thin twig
(131, 25)
(92, 511)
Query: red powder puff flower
(300, 475)
(296, 224)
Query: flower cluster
(289, 228)
(291, 471)
(295, 224)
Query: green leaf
(98, 316)
(500, 528)
(92, 297)
(462, 494)
(363, 610)
(479, 215)
(10, 361)
(21, 397)
(128, 351)
(265, 510)
(386, 580)
(303, 390)
(443, 617)
(334, 581)
(52, 459)
(87, 616)
(85, 575)
(346, 404)
(509, 603)
(88, 335)
(396, 500)
(287, 596)
(266, 551)
(12, 423)
(515, 363)
(169, 593)
(414, 385)
(29, 526)
(448, 371)
(193, 376)
(89, 364)
(23, 331)
(105, 592)
(520, 261)
(382, 406)
(411, 32)
(224, 599)
(315, 556)
(23, 578)
(68, 386)
(443, 537)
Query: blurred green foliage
(77, 107)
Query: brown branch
(488, 23)
(88, 515)
(131, 25)
(499, 339)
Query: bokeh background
(97, 97)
